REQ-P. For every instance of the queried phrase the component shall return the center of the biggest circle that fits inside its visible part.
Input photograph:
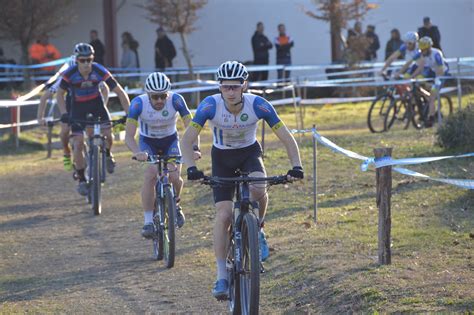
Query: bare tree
(338, 13)
(176, 16)
(23, 21)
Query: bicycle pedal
(262, 268)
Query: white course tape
(462, 183)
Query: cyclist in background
(64, 134)
(409, 49)
(431, 64)
(83, 81)
(233, 117)
(155, 114)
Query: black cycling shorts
(225, 163)
(79, 111)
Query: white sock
(148, 216)
(221, 269)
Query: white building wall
(226, 26)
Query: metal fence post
(315, 191)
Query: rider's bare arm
(60, 99)
(190, 136)
(123, 97)
(290, 144)
(42, 106)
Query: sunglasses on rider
(85, 60)
(156, 97)
(231, 87)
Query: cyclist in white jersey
(409, 48)
(65, 132)
(155, 114)
(233, 117)
(431, 64)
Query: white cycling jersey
(157, 123)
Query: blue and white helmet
(411, 37)
(157, 82)
(83, 49)
(232, 70)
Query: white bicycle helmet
(411, 37)
(157, 82)
(232, 70)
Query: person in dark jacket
(260, 45)
(394, 44)
(374, 44)
(431, 31)
(283, 44)
(98, 47)
(164, 51)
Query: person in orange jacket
(42, 51)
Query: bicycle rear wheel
(250, 277)
(398, 116)
(95, 183)
(446, 107)
(169, 227)
(377, 113)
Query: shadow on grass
(23, 223)
(8, 145)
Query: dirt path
(56, 256)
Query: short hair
(259, 23)
(426, 19)
(94, 31)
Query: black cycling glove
(65, 118)
(296, 172)
(194, 173)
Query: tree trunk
(335, 27)
(187, 55)
(25, 60)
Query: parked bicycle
(95, 159)
(243, 256)
(164, 213)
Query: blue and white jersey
(235, 131)
(433, 60)
(409, 54)
(154, 123)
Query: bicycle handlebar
(155, 159)
(272, 180)
(98, 121)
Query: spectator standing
(261, 45)
(98, 47)
(283, 44)
(129, 57)
(132, 44)
(394, 44)
(374, 44)
(431, 31)
(42, 51)
(165, 51)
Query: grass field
(329, 267)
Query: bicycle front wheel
(96, 184)
(398, 116)
(377, 113)
(250, 276)
(158, 237)
(169, 207)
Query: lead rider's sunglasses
(231, 87)
(156, 97)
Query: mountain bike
(96, 173)
(379, 107)
(164, 213)
(413, 107)
(243, 255)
